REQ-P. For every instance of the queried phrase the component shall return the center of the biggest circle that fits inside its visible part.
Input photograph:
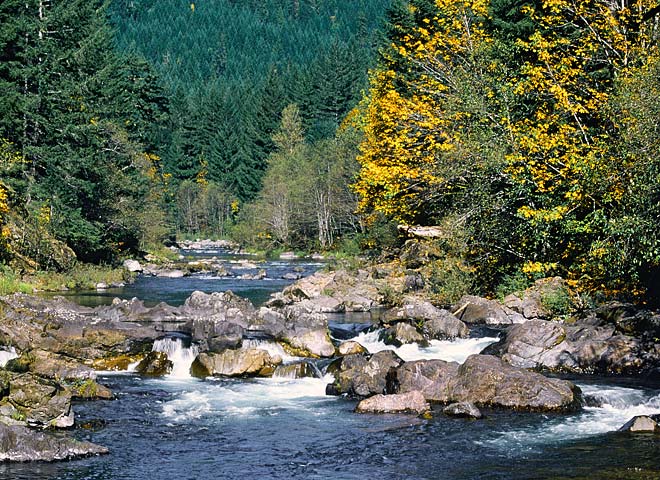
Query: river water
(178, 427)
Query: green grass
(12, 283)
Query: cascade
(457, 350)
(181, 356)
(6, 355)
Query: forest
(525, 131)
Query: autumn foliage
(527, 123)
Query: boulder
(488, 381)
(462, 409)
(50, 365)
(351, 348)
(155, 364)
(642, 424)
(21, 444)
(401, 334)
(38, 401)
(547, 297)
(235, 363)
(132, 266)
(434, 378)
(170, 273)
(435, 323)
(577, 347)
(362, 375)
(412, 402)
(300, 325)
(471, 309)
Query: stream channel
(178, 427)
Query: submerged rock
(462, 409)
(21, 444)
(235, 363)
(297, 370)
(412, 402)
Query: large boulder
(235, 363)
(575, 347)
(362, 375)
(50, 365)
(21, 444)
(486, 380)
(300, 325)
(36, 400)
(62, 327)
(476, 310)
(434, 378)
(435, 323)
(412, 402)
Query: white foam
(231, 398)
(182, 357)
(6, 355)
(614, 407)
(273, 348)
(457, 350)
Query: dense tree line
(528, 130)
(233, 66)
(78, 126)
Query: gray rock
(462, 409)
(21, 444)
(351, 348)
(477, 310)
(641, 424)
(574, 347)
(362, 375)
(436, 323)
(487, 381)
(412, 402)
(401, 334)
(434, 378)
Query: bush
(447, 280)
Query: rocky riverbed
(401, 361)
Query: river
(178, 427)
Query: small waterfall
(273, 348)
(181, 356)
(6, 355)
(305, 369)
(457, 350)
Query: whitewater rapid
(457, 350)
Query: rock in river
(462, 409)
(235, 363)
(412, 402)
(21, 444)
